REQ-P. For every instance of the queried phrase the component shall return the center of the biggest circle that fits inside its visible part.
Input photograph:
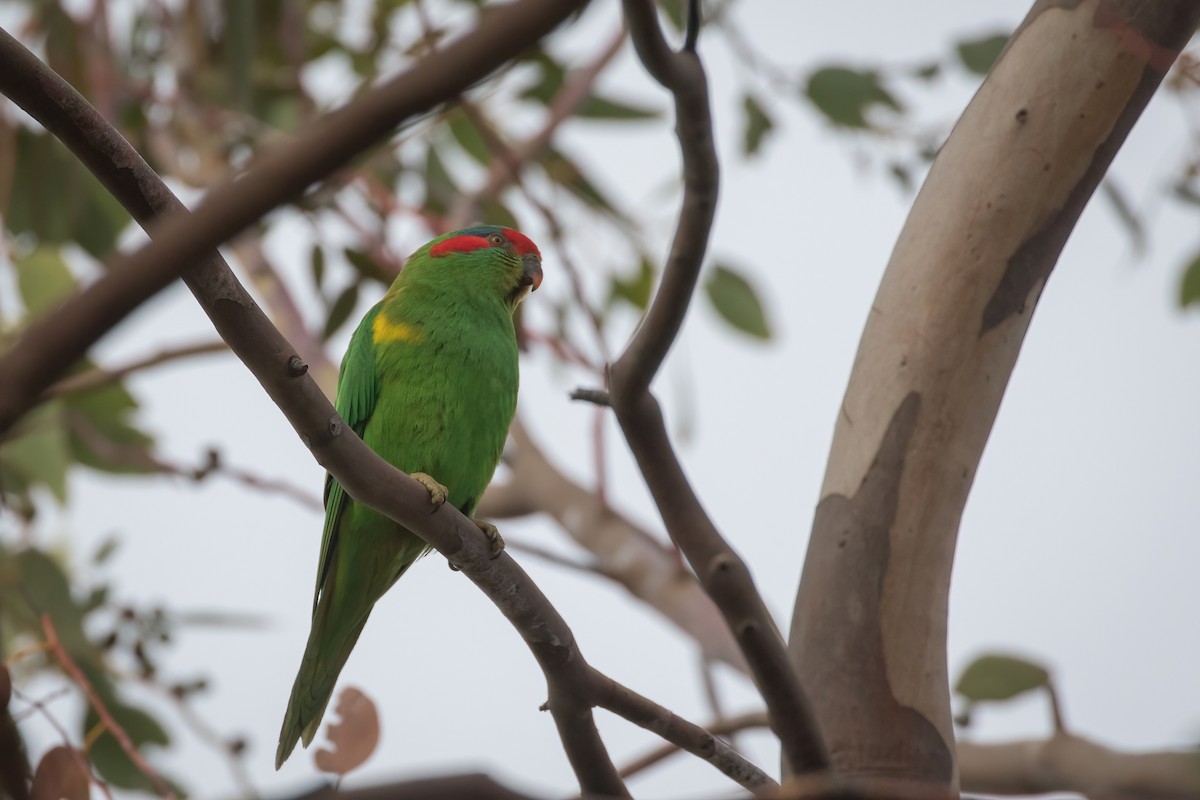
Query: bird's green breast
(448, 376)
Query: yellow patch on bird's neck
(385, 329)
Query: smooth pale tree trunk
(869, 629)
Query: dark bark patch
(1154, 32)
(838, 635)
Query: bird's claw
(494, 538)
(437, 492)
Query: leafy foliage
(994, 677)
(978, 55)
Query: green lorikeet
(430, 383)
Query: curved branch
(55, 342)
(720, 727)
(722, 573)
(623, 551)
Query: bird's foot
(493, 535)
(437, 492)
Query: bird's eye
(495, 240)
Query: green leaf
(110, 759)
(367, 267)
(634, 290)
(43, 279)
(1183, 190)
(496, 213)
(1125, 213)
(736, 300)
(599, 107)
(567, 174)
(440, 189)
(341, 310)
(978, 55)
(55, 198)
(758, 125)
(106, 550)
(316, 261)
(844, 95)
(107, 411)
(1189, 287)
(38, 455)
(1000, 677)
(928, 72)
(551, 76)
(469, 137)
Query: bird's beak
(532, 274)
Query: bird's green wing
(357, 392)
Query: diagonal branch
(722, 573)
(102, 377)
(52, 344)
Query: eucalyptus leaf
(736, 301)
(845, 95)
(994, 677)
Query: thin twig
(722, 573)
(681, 733)
(141, 458)
(719, 727)
(101, 710)
(102, 377)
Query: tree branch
(681, 733)
(722, 573)
(52, 344)
(720, 727)
(101, 376)
(1001, 198)
(1069, 763)
(624, 552)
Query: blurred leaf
(367, 267)
(60, 776)
(675, 11)
(1183, 190)
(111, 761)
(978, 55)
(341, 310)
(599, 107)
(1125, 213)
(567, 174)
(38, 455)
(550, 79)
(106, 549)
(999, 677)
(219, 619)
(316, 262)
(902, 175)
(634, 290)
(468, 136)
(496, 213)
(928, 72)
(844, 95)
(43, 279)
(440, 189)
(736, 300)
(354, 737)
(107, 412)
(1189, 287)
(758, 125)
(57, 199)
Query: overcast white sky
(1078, 547)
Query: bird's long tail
(324, 656)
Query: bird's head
(489, 257)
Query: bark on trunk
(869, 630)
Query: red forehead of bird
(475, 239)
(522, 243)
